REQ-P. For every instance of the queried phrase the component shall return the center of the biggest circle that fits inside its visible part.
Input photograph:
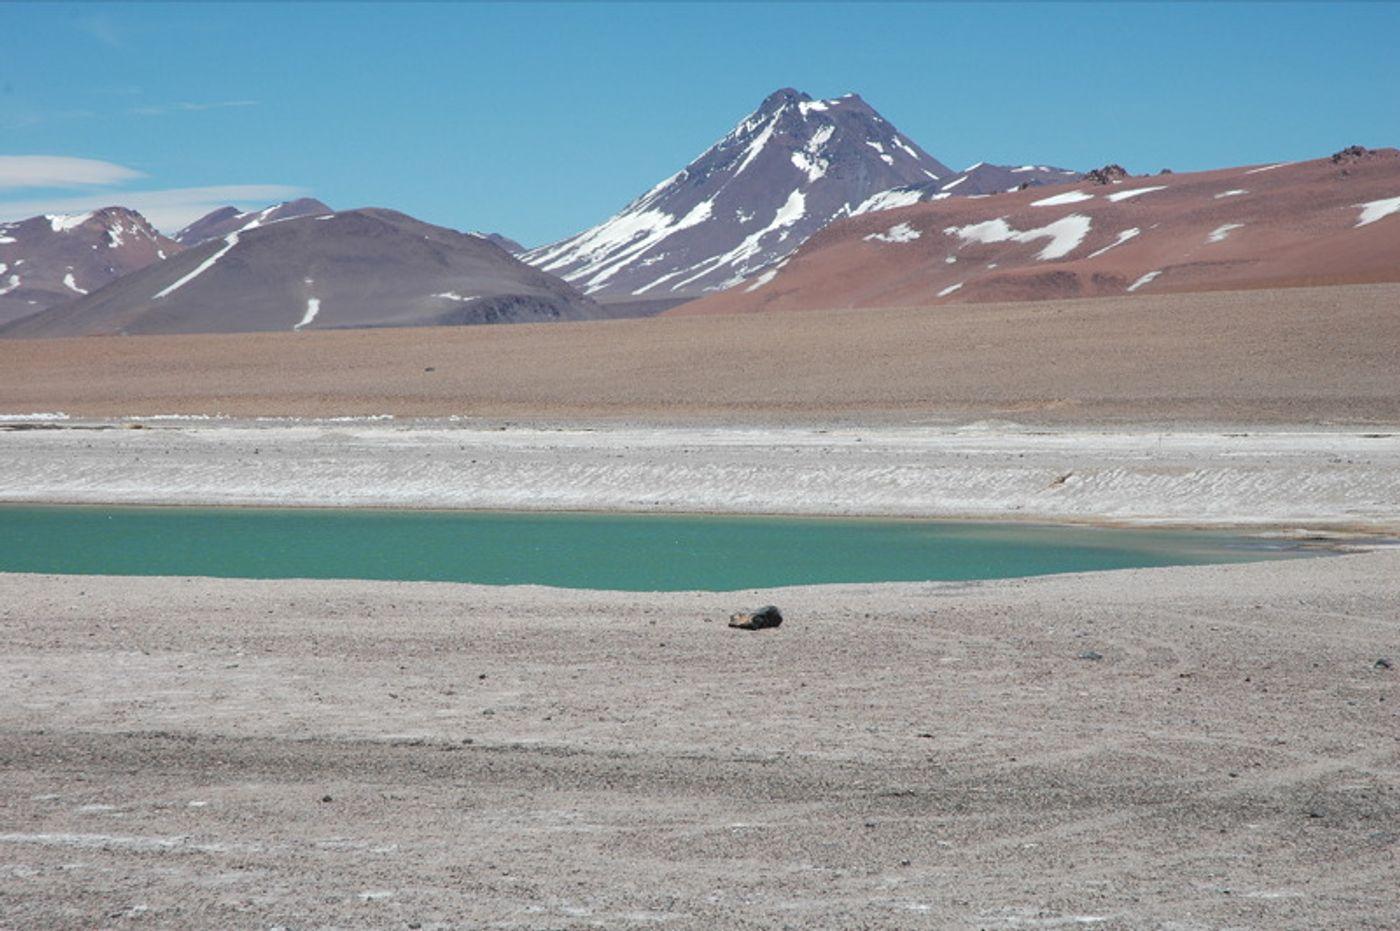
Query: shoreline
(1363, 538)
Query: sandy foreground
(212, 753)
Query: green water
(623, 552)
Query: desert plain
(1193, 747)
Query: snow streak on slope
(313, 307)
(783, 173)
(1059, 200)
(1125, 195)
(1145, 279)
(230, 241)
(1122, 238)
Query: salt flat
(1296, 478)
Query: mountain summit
(783, 173)
(225, 220)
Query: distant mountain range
(786, 171)
(806, 203)
(357, 268)
(1326, 221)
(58, 258)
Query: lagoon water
(600, 551)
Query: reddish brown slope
(1235, 228)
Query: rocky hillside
(56, 258)
(1332, 220)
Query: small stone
(1384, 663)
(1091, 655)
(326, 798)
(765, 617)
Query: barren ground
(178, 752)
(1298, 356)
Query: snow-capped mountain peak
(55, 258)
(781, 174)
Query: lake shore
(1306, 479)
(1206, 746)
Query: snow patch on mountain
(901, 232)
(1065, 234)
(1377, 210)
(895, 197)
(63, 222)
(1058, 200)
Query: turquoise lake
(600, 551)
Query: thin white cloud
(102, 29)
(185, 107)
(60, 171)
(168, 209)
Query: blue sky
(538, 119)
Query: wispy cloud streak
(185, 107)
(60, 171)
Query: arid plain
(1293, 356)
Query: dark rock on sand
(766, 616)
